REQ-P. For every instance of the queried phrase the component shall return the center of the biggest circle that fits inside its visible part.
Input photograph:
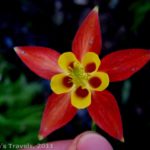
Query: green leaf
(140, 10)
(19, 118)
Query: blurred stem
(93, 126)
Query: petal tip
(40, 137)
(96, 8)
(80, 107)
(122, 140)
(16, 49)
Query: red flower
(79, 79)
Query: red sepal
(105, 113)
(57, 113)
(88, 36)
(121, 65)
(41, 60)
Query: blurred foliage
(19, 118)
(126, 91)
(140, 9)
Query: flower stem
(93, 126)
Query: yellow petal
(91, 62)
(99, 81)
(61, 83)
(81, 101)
(66, 61)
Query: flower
(79, 79)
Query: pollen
(78, 75)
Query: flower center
(78, 75)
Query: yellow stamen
(79, 77)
